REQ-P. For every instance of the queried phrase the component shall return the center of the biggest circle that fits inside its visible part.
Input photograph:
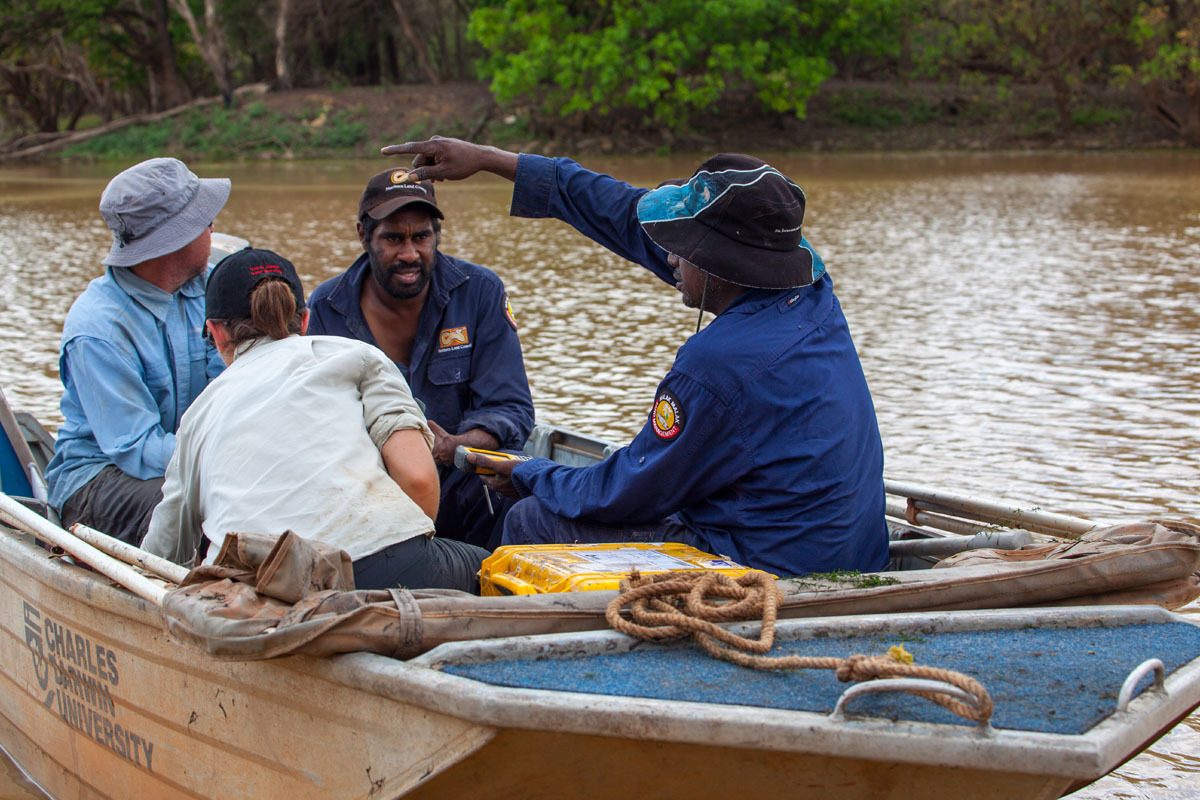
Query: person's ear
(361, 234)
(304, 323)
(217, 332)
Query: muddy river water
(1029, 323)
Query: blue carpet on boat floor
(1052, 681)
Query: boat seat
(21, 475)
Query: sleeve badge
(667, 417)
(508, 312)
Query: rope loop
(674, 605)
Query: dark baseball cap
(391, 190)
(234, 277)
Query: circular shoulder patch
(666, 418)
(508, 312)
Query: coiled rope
(673, 605)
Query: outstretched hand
(501, 482)
(442, 159)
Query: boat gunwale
(1080, 756)
(418, 683)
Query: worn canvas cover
(268, 596)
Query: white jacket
(288, 437)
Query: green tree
(58, 57)
(1060, 43)
(667, 60)
(1166, 40)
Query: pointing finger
(407, 147)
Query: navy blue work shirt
(466, 364)
(762, 436)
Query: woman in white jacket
(319, 435)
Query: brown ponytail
(273, 313)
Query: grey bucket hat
(156, 207)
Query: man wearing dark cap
(447, 324)
(761, 443)
(132, 359)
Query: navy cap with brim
(730, 260)
(233, 279)
(389, 207)
(391, 190)
(737, 219)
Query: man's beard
(400, 291)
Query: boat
(123, 677)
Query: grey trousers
(422, 563)
(114, 503)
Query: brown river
(1029, 323)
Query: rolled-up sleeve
(388, 404)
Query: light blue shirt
(132, 360)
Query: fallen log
(64, 139)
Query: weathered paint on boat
(99, 702)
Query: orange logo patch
(453, 337)
(667, 417)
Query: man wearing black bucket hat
(132, 359)
(761, 443)
(448, 326)
(319, 435)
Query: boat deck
(1047, 680)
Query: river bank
(845, 116)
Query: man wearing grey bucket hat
(132, 358)
(761, 443)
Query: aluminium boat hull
(98, 701)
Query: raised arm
(598, 206)
(442, 159)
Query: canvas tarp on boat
(268, 596)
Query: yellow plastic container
(545, 568)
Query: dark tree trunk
(283, 73)
(162, 60)
(417, 43)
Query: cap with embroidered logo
(391, 190)
(233, 279)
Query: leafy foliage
(1063, 43)
(218, 133)
(598, 67)
(1166, 63)
(671, 60)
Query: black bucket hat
(736, 218)
(234, 277)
